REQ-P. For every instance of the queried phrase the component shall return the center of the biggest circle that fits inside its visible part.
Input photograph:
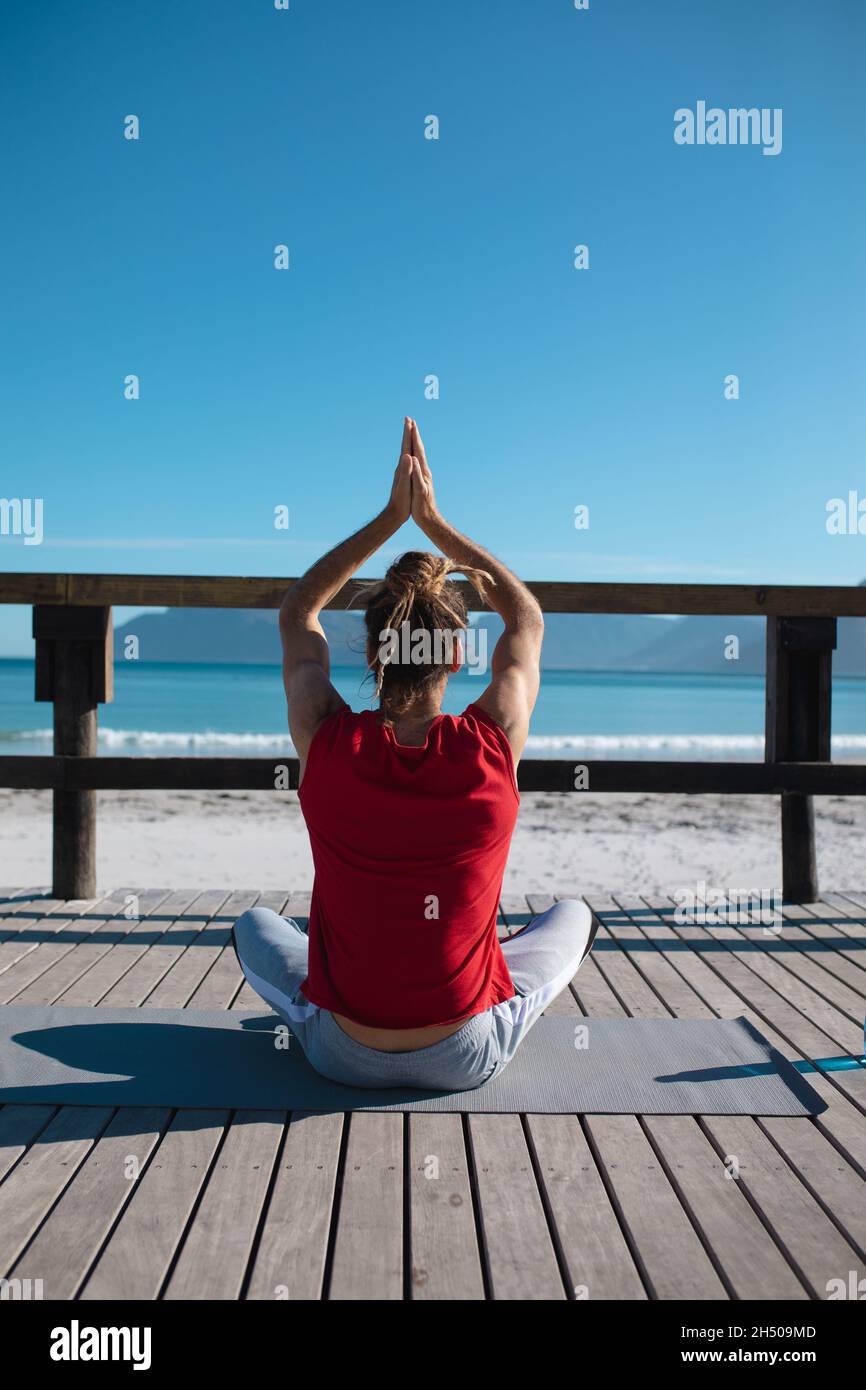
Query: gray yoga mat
(219, 1060)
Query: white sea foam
(537, 745)
(151, 739)
(643, 743)
(549, 745)
(207, 738)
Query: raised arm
(306, 665)
(510, 697)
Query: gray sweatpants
(272, 952)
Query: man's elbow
(527, 624)
(533, 619)
(291, 609)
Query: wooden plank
(19, 1126)
(446, 1263)
(714, 944)
(28, 897)
(71, 775)
(63, 931)
(592, 1247)
(842, 912)
(246, 997)
(33, 588)
(674, 993)
(751, 1264)
(690, 952)
(519, 1253)
(663, 937)
(854, 900)
(593, 993)
(179, 984)
(771, 956)
(221, 984)
(298, 909)
(146, 931)
(61, 977)
(841, 1030)
(565, 1002)
(39, 1177)
(619, 970)
(21, 910)
(138, 1256)
(22, 929)
(842, 1122)
(368, 1249)
(839, 1188)
(140, 980)
(215, 1254)
(687, 975)
(787, 950)
(29, 930)
(502, 930)
(289, 1263)
(514, 912)
(706, 988)
(824, 946)
(224, 979)
(844, 931)
(814, 1246)
(555, 596)
(671, 1258)
(69, 1241)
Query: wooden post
(799, 685)
(74, 669)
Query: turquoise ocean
(173, 709)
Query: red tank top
(409, 847)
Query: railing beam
(533, 775)
(555, 596)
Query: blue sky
(411, 257)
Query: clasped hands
(412, 490)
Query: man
(410, 812)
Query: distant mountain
(572, 641)
(231, 635)
(587, 641)
(699, 644)
(590, 641)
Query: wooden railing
(74, 670)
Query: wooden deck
(150, 1203)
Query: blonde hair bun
(416, 589)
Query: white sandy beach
(629, 843)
